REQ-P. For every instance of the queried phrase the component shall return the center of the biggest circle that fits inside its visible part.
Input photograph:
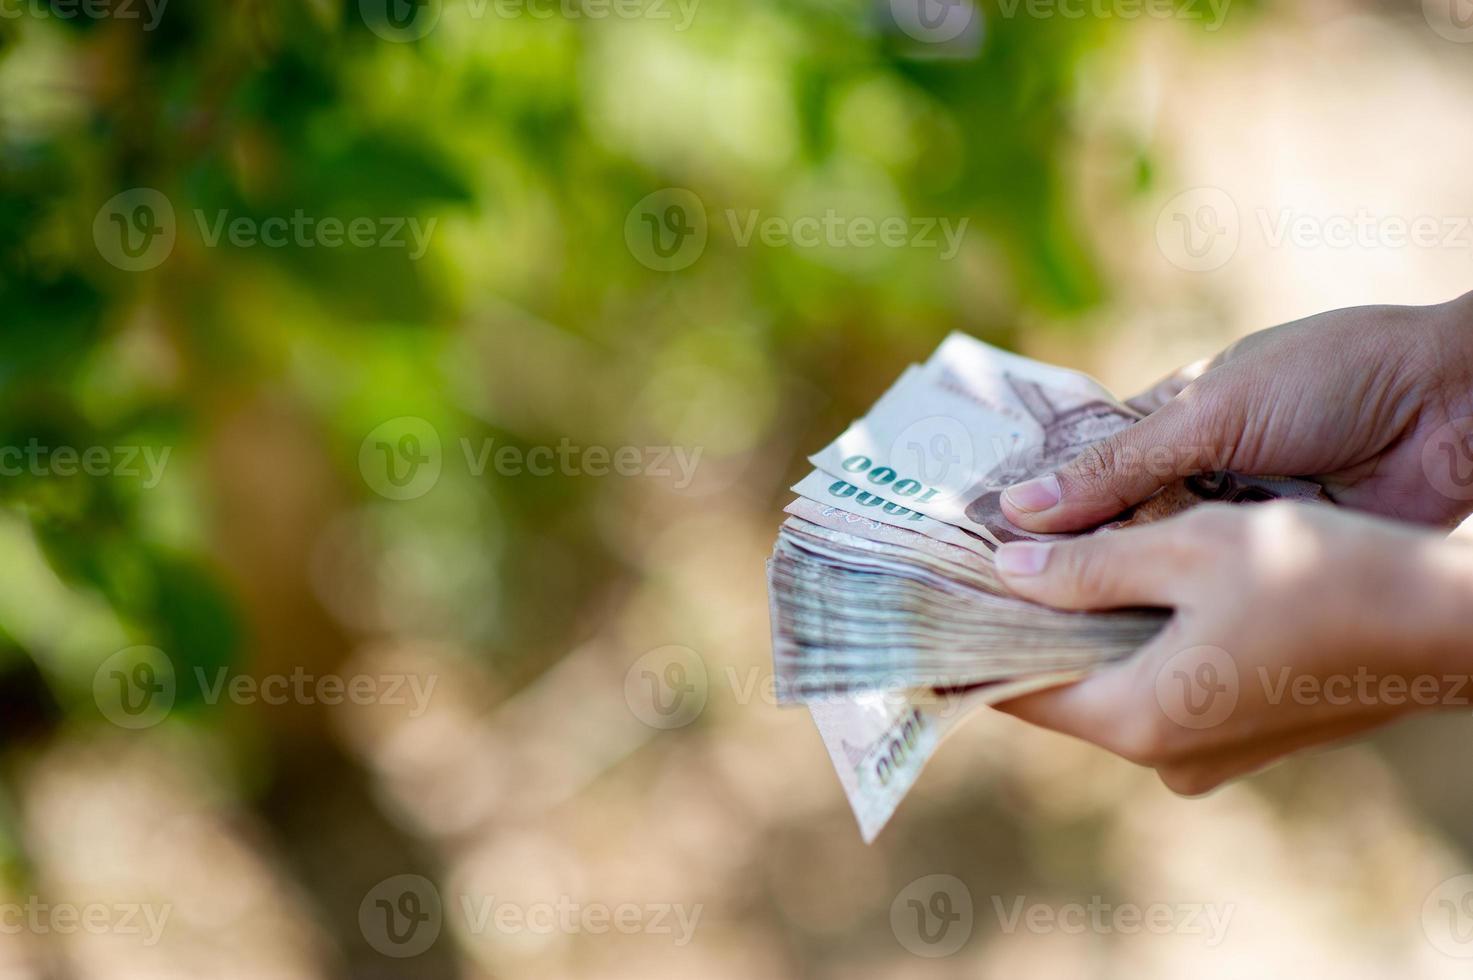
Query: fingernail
(1039, 493)
(1022, 557)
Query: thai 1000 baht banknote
(838, 493)
(950, 435)
(880, 741)
(852, 612)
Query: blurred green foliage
(525, 141)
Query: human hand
(1349, 399)
(1294, 625)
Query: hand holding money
(1295, 625)
(900, 585)
(1348, 399)
(883, 584)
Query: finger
(1082, 709)
(1149, 565)
(1126, 708)
(1095, 710)
(1119, 708)
(1112, 708)
(1118, 472)
(1168, 387)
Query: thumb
(1114, 473)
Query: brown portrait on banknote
(1067, 430)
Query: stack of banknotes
(888, 618)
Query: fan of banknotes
(888, 619)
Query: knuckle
(1087, 571)
(1185, 556)
(1097, 469)
(1208, 422)
(1281, 513)
(1214, 524)
(1240, 527)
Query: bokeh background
(326, 502)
